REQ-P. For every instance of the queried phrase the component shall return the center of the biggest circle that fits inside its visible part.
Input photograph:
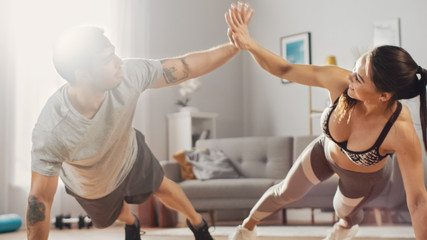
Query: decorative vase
(188, 109)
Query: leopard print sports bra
(366, 158)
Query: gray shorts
(143, 180)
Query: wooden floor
(269, 233)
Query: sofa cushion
(226, 188)
(255, 157)
(300, 143)
(211, 164)
(185, 167)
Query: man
(84, 134)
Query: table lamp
(331, 60)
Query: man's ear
(81, 75)
(385, 96)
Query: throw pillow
(210, 164)
(185, 167)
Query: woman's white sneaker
(242, 233)
(340, 233)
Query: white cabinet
(185, 128)
(318, 100)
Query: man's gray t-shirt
(92, 156)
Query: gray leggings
(354, 190)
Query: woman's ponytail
(423, 111)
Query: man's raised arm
(195, 64)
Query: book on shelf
(204, 135)
(199, 136)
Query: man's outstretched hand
(238, 18)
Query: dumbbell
(62, 221)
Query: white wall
(176, 28)
(338, 27)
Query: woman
(364, 125)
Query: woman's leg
(310, 169)
(355, 190)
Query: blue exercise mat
(10, 223)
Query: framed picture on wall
(387, 32)
(296, 48)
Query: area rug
(299, 232)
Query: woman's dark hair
(76, 48)
(394, 71)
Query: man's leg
(172, 195)
(132, 228)
(126, 215)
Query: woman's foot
(340, 233)
(242, 233)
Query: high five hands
(238, 18)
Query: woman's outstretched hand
(238, 18)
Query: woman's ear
(385, 96)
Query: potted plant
(186, 89)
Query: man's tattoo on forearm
(36, 211)
(168, 72)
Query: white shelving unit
(318, 100)
(184, 128)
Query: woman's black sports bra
(366, 158)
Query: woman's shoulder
(404, 119)
(403, 128)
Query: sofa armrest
(172, 170)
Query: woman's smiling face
(361, 86)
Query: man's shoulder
(131, 61)
(139, 73)
(53, 111)
(141, 65)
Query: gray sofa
(263, 162)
